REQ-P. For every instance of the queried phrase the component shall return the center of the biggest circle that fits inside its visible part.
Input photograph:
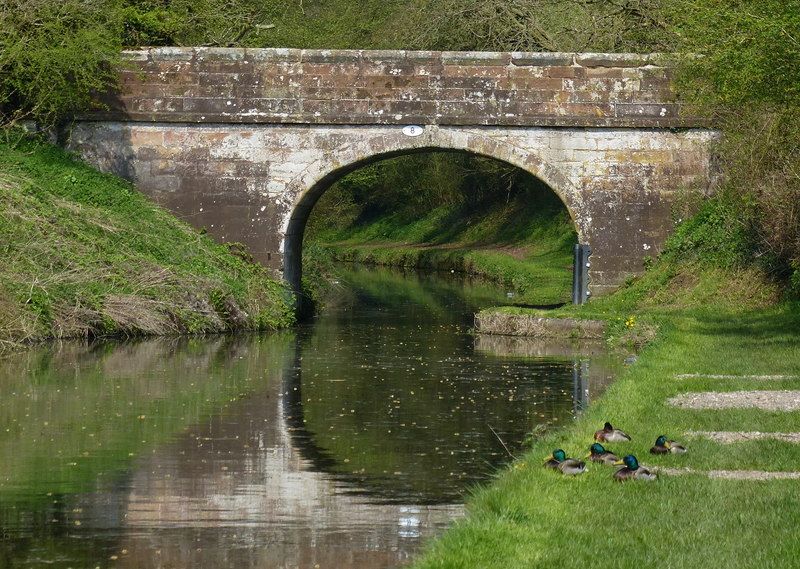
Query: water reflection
(343, 444)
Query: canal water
(344, 443)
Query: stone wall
(257, 184)
(209, 85)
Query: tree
(53, 55)
(539, 25)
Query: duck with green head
(632, 470)
(559, 461)
(598, 453)
(664, 446)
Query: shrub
(53, 55)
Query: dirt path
(779, 400)
(729, 437)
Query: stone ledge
(534, 59)
(611, 59)
(493, 322)
(276, 118)
(472, 57)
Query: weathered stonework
(244, 142)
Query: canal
(343, 443)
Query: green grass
(697, 319)
(530, 516)
(85, 254)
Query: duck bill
(619, 463)
(668, 444)
(549, 458)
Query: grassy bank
(532, 517)
(695, 318)
(85, 254)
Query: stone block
(134, 55)
(279, 55)
(336, 107)
(207, 55)
(466, 83)
(331, 56)
(146, 137)
(646, 110)
(171, 54)
(493, 71)
(542, 59)
(562, 71)
(475, 58)
(610, 59)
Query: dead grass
(82, 254)
(134, 314)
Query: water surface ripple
(344, 443)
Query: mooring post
(580, 274)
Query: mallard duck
(559, 461)
(608, 434)
(598, 453)
(663, 446)
(632, 471)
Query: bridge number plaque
(413, 130)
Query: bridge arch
(306, 189)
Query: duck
(632, 471)
(664, 446)
(598, 453)
(559, 461)
(608, 434)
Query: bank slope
(84, 254)
(706, 329)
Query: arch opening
(516, 190)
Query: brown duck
(608, 434)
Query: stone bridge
(243, 142)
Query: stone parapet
(354, 87)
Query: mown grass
(85, 254)
(696, 319)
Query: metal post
(580, 274)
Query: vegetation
(719, 296)
(748, 79)
(84, 254)
(531, 517)
(540, 25)
(451, 212)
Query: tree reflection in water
(344, 444)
